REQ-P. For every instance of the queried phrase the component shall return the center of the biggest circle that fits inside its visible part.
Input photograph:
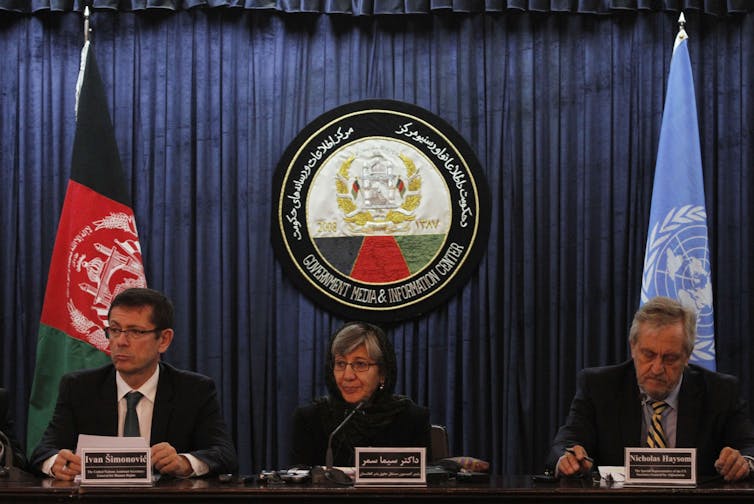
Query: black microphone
(328, 457)
(8, 449)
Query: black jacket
(186, 414)
(311, 429)
(605, 416)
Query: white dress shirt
(669, 416)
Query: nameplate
(660, 467)
(116, 466)
(391, 467)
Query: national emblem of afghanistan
(381, 195)
(381, 210)
(104, 259)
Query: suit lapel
(163, 405)
(105, 403)
(630, 409)
(689, 410)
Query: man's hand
(731, 465)
(575, 460)
(67, 465)
(166, 460)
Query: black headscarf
(379, 411)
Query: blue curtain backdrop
(377, 7)
(562, 107)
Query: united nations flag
(677, 259)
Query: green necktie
(131, 426)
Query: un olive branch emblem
(661, 234)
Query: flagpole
(682, 35)
(87, 30)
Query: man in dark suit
(613, 405)
(176, 411)
(6, 427)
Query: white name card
(660, 467)
(391, 467)
(115, 461)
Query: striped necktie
(131, 425)
(655, 433)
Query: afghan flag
(96, 255)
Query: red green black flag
(96, 253)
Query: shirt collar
(672, 399)
(148, 389)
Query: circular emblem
(677, 265)
(381, 210)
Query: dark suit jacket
(606, 416)
(186, 415)
(410, 428)
(6, 426)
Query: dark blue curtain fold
(563, 111)
(378, 7)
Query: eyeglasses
(359, 366)
(130, 334)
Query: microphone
(644, 398)
(8, 449)
(329, 457)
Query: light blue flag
(677, 259)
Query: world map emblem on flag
(677, 265)
(381, 210)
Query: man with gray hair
(657, 399)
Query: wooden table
(21, 487)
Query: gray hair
(350, 337)
(661, 311)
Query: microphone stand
(336, 474)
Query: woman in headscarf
(360, 369)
